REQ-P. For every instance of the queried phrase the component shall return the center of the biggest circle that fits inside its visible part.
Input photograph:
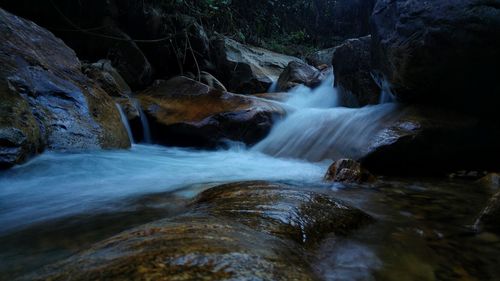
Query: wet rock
(189, 247)
(246, 69)
(299, 73)
(348, 171)
(239, 231)
(439, 52)
(489, 218)
(425, 140)
(287, 212)
(47, 102)
(352, 69)
(184, 112)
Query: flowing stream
(60, 203)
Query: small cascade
(274, 87)
(144, 122)
(386, 95)
(125, 123)
(319, 129)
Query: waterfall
(124, 119)
(274, 87)
(144, 122)
(318, 129)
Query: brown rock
(240, 231)
(184, 112)
(348, 171)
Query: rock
(209, 80)
(283, 211)
(348, 171)
(491, 180)
(440, 52)
(47, 102)
(246, 69)
(352, 69)
(108, 78)
(183, 112)
(433, 141)
(297, 73)
(93, 30)
(239, 231)
(321, 57)
(189, 247)
(489, 218)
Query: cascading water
(317, 128)
(274, 87)
(125, 123)
(144, 122)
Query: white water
(144, 122)
(319, 129)
(55, 185)
(125, 123)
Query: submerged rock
(352, 69)
(246, 69)
(239, 231)
(299, 73)
(184, 112)
(47, 102)
(440, 52)
(287, 212)
(348, 171)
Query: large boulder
(239, 231)
(92, 29)
(47, 102)
(440, 52)
(352, 69)
(184, 112)
(424, 140)
(246, 69)
(299, 73)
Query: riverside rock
(47, 102)
(439, 52)
(184, 112)
(237, 231)
(246, 69)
